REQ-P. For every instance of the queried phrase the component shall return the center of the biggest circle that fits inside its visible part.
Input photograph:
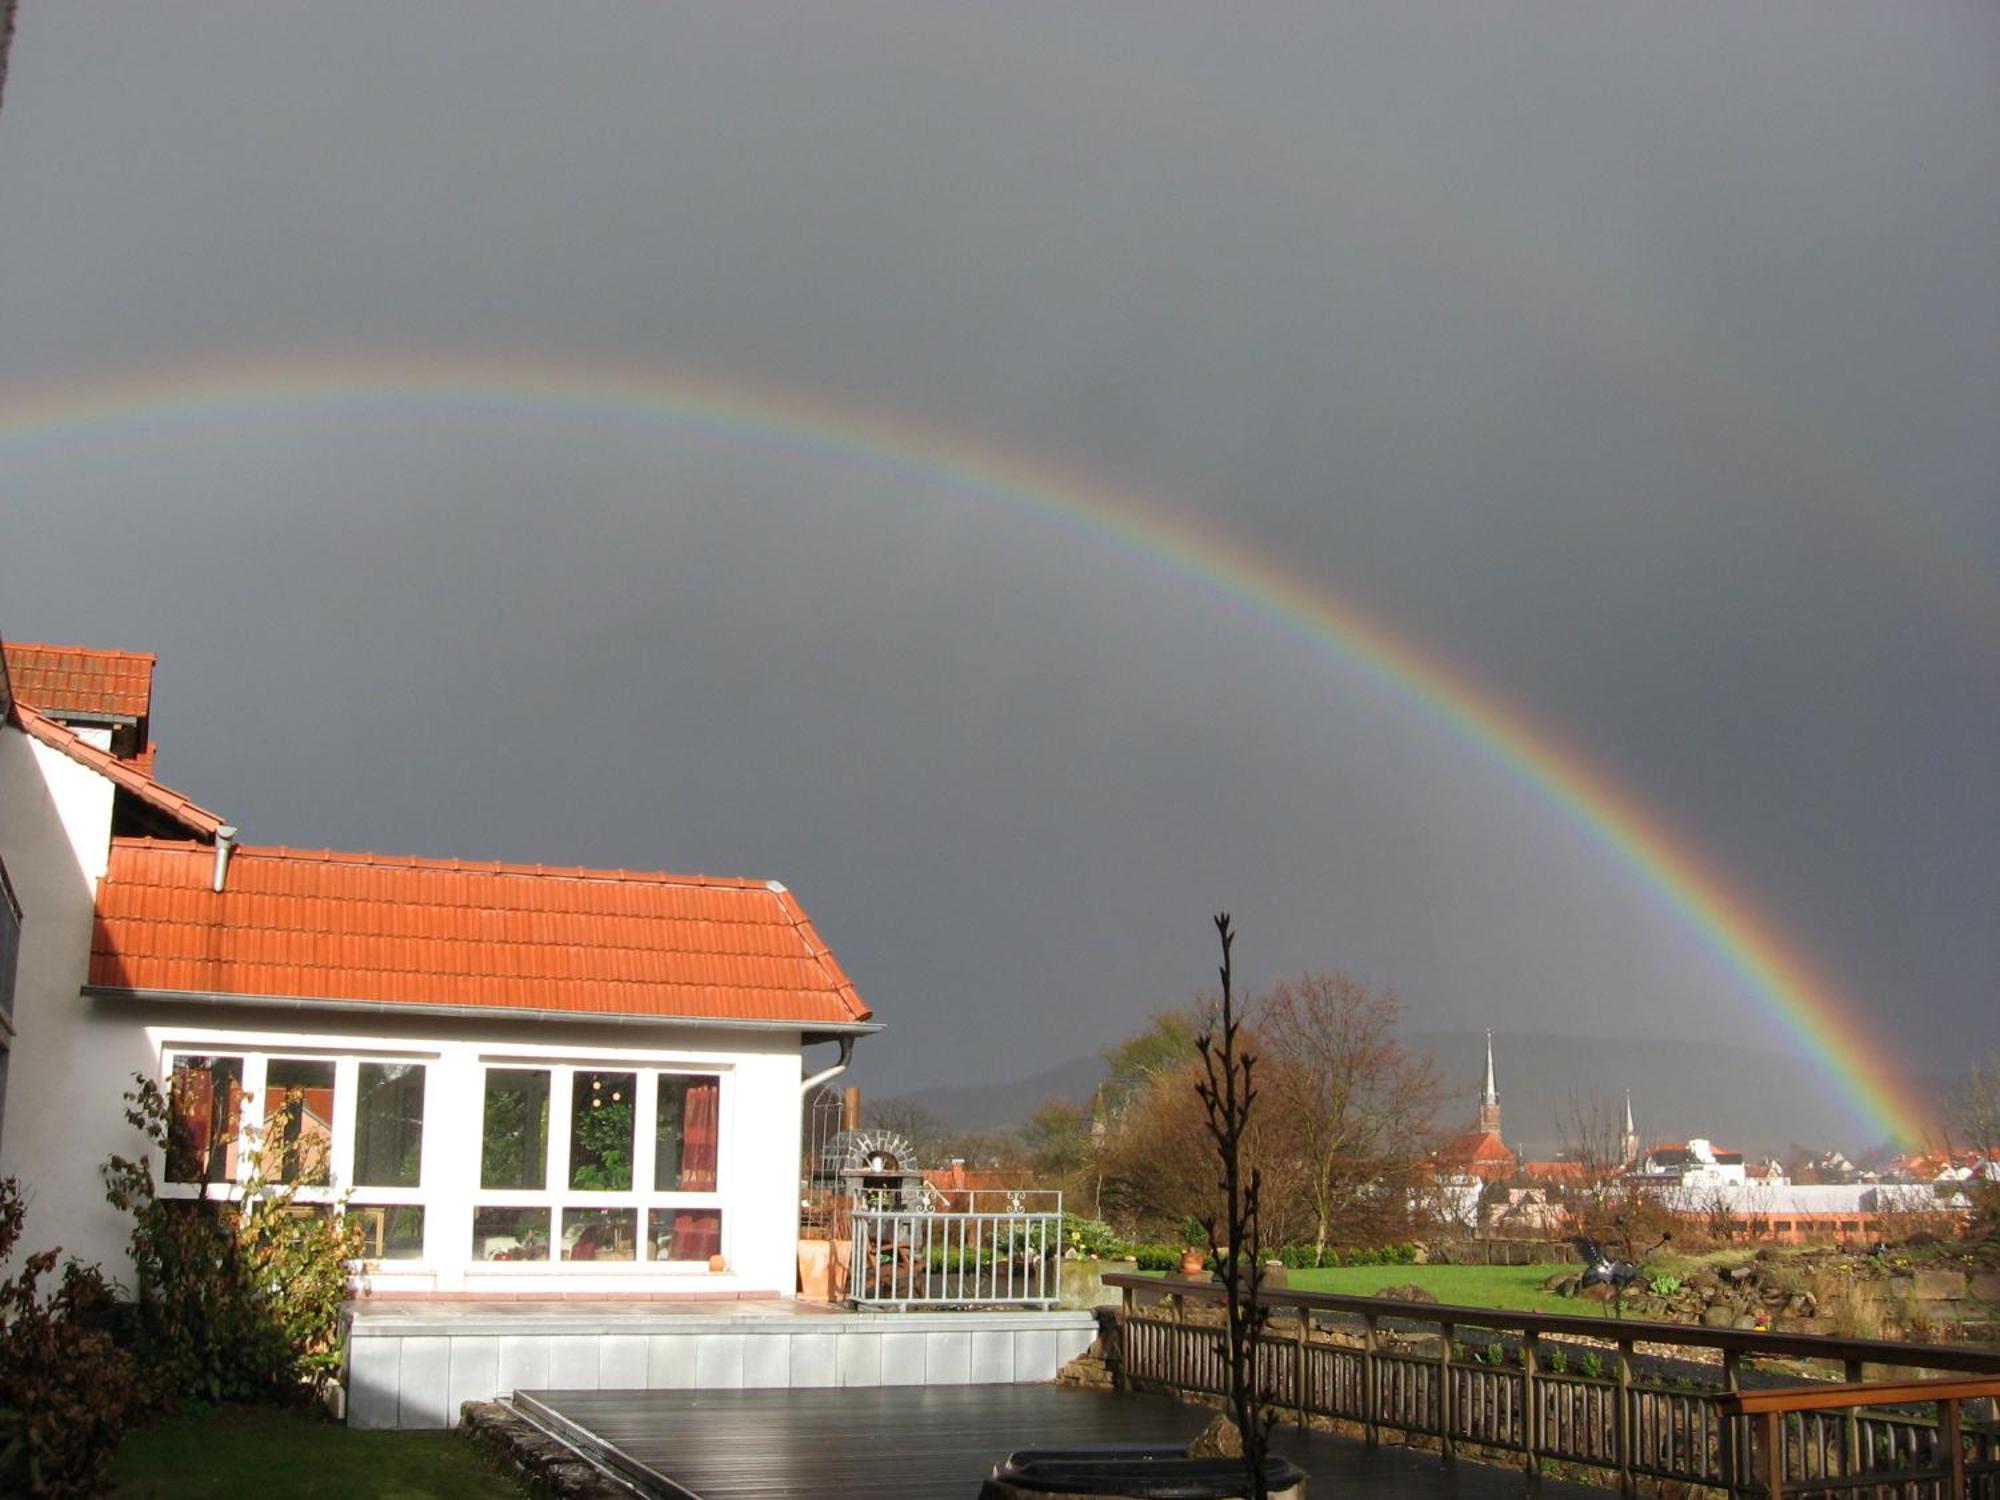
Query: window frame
(556, 1195)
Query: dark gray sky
(1643, 361)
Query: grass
(236, 1451)
(1515, 1288)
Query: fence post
(1851, 1425)
(1128, 1304)
(1370, 1381)
(1622, 1426)
(1446, 1449)
(1178, 1364)
(1531, 1402)
(1951, 1439)
(1302, 1371)
(1771, 1469)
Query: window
(389, 1125)
(298, 1119)
(685, 1134)
(684, 1233)
(389, 1231)
(514, 1151)
(506, 1233)
(608, 1165)
(204, 1113)
(603, 1123)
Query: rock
(1598, 1291)
(1422, 1257)
(1718, 1316)
(1986, 1286)
(1408, 1292)
(1741, 1274)
(1555, 1283)
(1219, 1439)
(1940, 1286)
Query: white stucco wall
(63, 1115)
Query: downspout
(225, 843)
(846, 1057)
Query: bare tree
(7, 8)
(1358, 1109)
(1227, 1091)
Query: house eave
(809, 1031)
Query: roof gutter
(813, 1031)
(846, 1057)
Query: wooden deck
(942, 1441)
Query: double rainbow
(1773, 970)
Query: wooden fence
(1575, 1391)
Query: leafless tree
(1357, 1109)
(1227, 1091)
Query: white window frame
(556, 1195)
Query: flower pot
(1194, 1262)
(717, 1263)
(816, 1270)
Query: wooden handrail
(1857, 1393)
(1742, 1342)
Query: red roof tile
(315, 924)
(77, 680)
(182, 810)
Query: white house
(524, 1080)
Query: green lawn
(1516, 1288)
(258, 1451)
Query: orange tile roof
(78, 680)
(124, 773)
(315, 924)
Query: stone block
(524, 1365)
(1940, 1286)
(1986, 1286)
(813, 1360)
(573, 1363)
(423, 1398)
(767, 1361)
(902, 1359)
(621, 1362)
(858, 1358)
(475, 1370)
(718, 1361)
(374, 1381)
(991, 1357)
(948, 1357)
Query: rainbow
(1805, 1002)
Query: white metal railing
(1008, 1255)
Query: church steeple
(1628, 1143)
(1489, 1096)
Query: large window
(599, 1164)
(514, 1150)
(298, 1119)
(389, 1125)
(205, 1113)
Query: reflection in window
(389, 1125)
(510, 1234)
(204, 1110)
(600, 1234)
(684, 1233)
(601, 1130)
(515, 1149)
(298, 1119)
(685, 1130)
(390, 1231)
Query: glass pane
(510, 1234)
(204, 1111)
(389, 1125)
(389, 1231)
(685, 1132)
(684, 1233)
(515, 1151)
(601, 1122)
(600, 1234)
(298, 1119)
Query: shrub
(1157, 1257)
(1091, 1239)
(66, 1391)
(235, 1300)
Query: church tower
(1628, 1143)
(1489, 1096)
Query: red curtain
(697, 1233)
(699, 1118)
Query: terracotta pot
(1194, 1262)
(717, 1263)
(816, 1270)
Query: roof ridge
(60, 737)
(145, 656)
(454, 865)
